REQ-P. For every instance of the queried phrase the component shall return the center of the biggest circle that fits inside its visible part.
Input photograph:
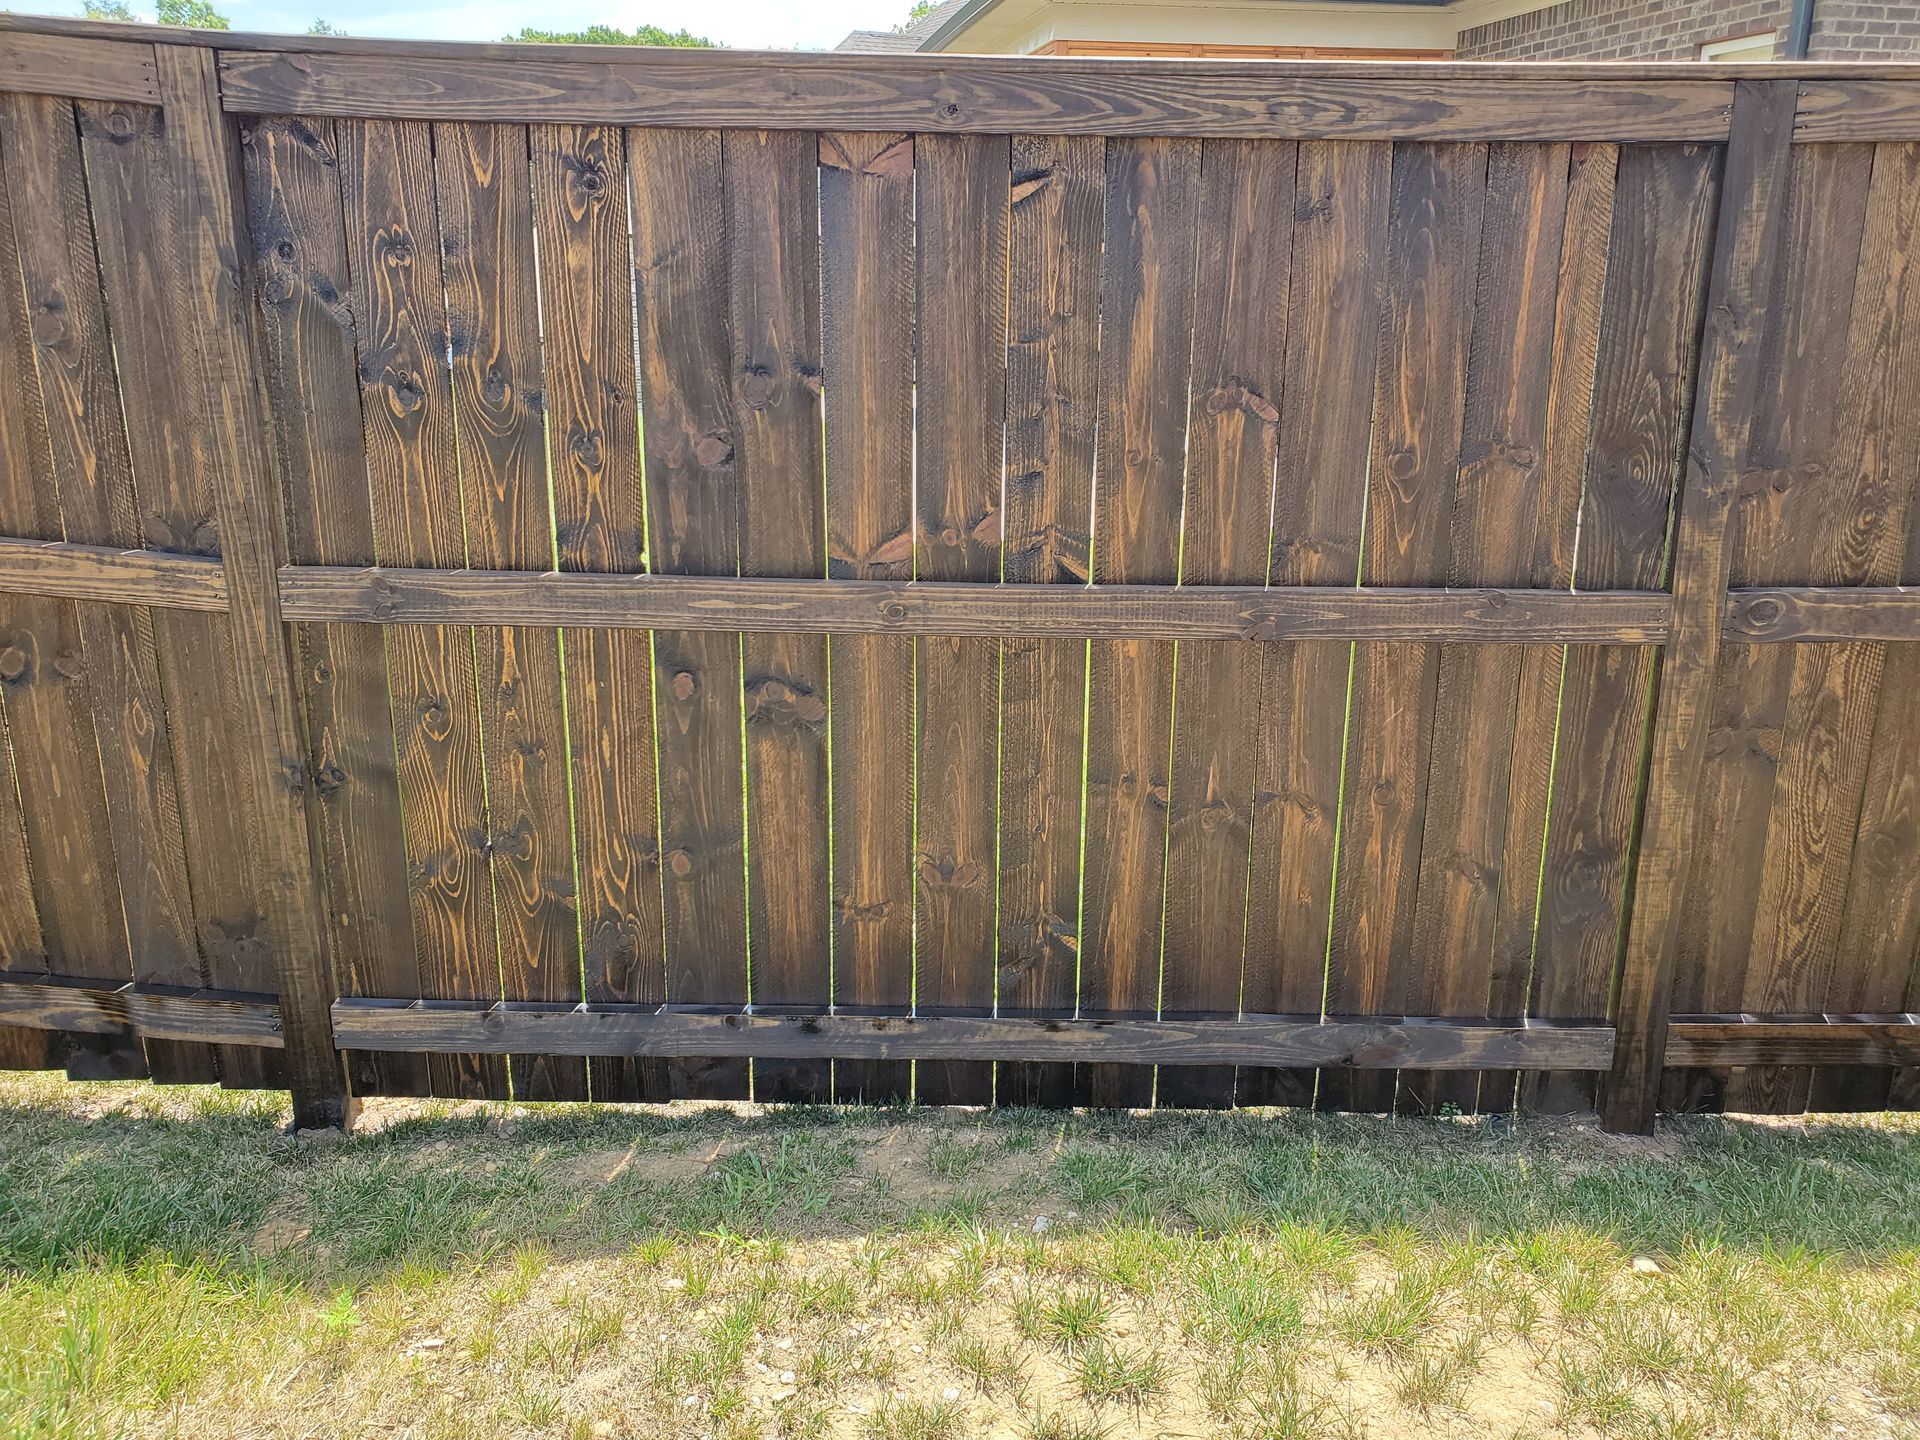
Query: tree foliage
(195, 14)
(609, 35)
(110, 10)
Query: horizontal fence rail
(620, 573)
(380, 596)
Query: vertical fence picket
(45, 681)
(1340, 216)
(1746, 250)
(961, 220)
(229, 429)
(1053, 346)
(297, 224)
(593, 444)
(486, 243)
(1499, 512)
(1437, 201)
(1663, 206)
(680, 263)
(867, 336)
(771, 181)
(1240, 325)
(1146, 300)
(406, 403)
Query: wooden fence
(628, 574)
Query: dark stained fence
(633, 574)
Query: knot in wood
(756, 390)
(13, 664)
(394, 247)
(50, 321)
(713, 451)
(1763, 614)
(684, 685)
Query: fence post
(233, 429)
(1746, 253)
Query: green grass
(172, 1264)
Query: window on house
(1740, 48)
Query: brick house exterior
(1676, 29)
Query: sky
(744, 24)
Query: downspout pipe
(1799, 30)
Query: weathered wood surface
(296, 217)
(1432, 259)
(406, 404)
(1840, 1040)
(152, 1012)
(1053, 325)
(1339, 222)
(980, 95)
(867, 340)
(960, 218)
(1253, 1039)
(48, 359)
(694, 513)
(1833, 109)
(772, 199)
(1642, 389)
(400, 596)
(593, 457)
(485, 212)
(1146, 306)
(1759, 614)
(112, 575)
(1747, 247)
(82, 68)
(1239, 350)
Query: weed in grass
(1074, 1318)
(951, 1158)
(1435, 1378)
(1391, 1321)
(1055, 1425)
(1591, 1394)
(1239, 1295)
(913, 1420)
(1108, 1373)
(1095, 1178)
(991, 1367)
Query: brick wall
(1675, 29)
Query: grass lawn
(172, 1264)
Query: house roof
(910, 37)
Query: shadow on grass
(122, 1175)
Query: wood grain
(1641, 390)
(1339, 247)
(1235, 393)
(983, 95)
(140, 222)
(406, 404)
(86, 69)
(1385, 1043)
(1146, 303)
(163, 1013)
(487, 250)
(296, 220)
(1747, 247)
(45, 686)
(1499, 513)
(593, 451)
(1432, 260)
(867, 331)
(267, 741)
(686, 401)
(960, 217)
(1053, 346)
(772, 189)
